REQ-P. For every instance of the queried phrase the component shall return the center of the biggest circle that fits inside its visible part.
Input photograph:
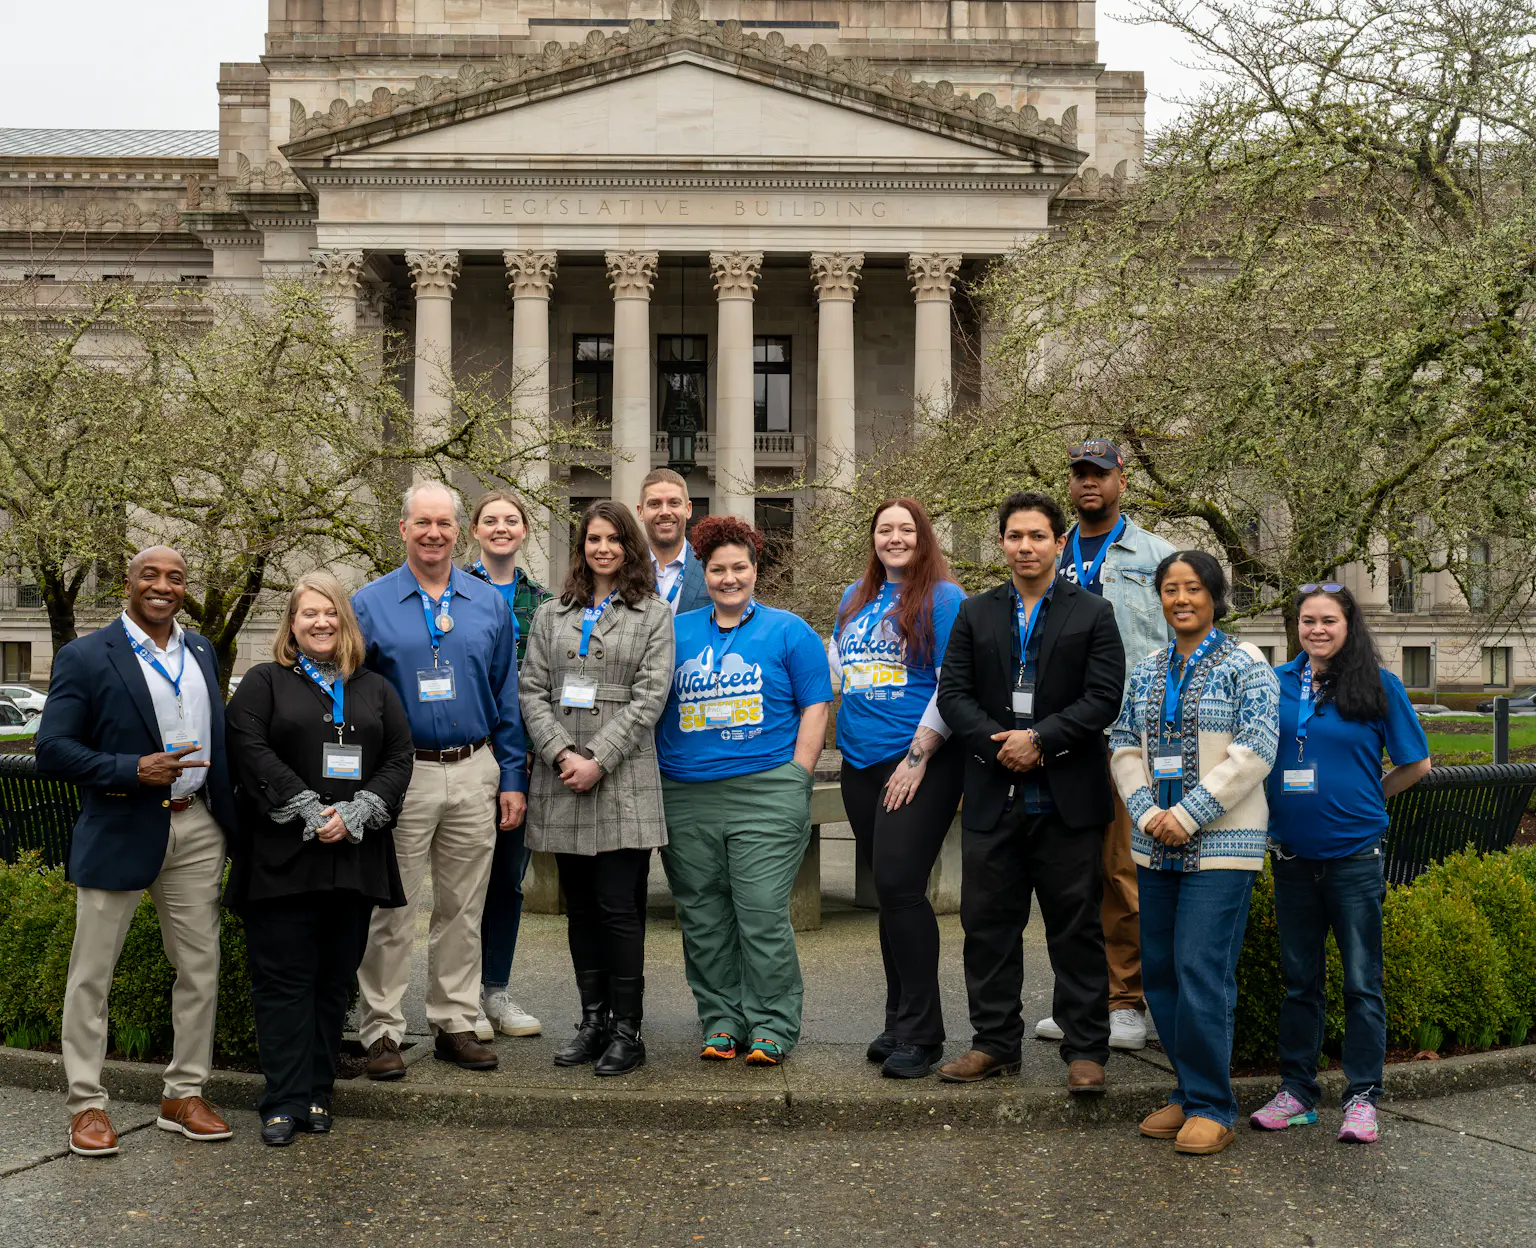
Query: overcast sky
(105, 63)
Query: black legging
(605, 926)
(901, 846)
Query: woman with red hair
(744, 723)
(901, 778)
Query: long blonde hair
(350, 646)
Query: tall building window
(1479, 570)
(1402, 586)
(775, 519)
(16, 661)
(682, 365)
(1496, 667)
(1416, 674)
(770, 385)
(592, 377)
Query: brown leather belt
(179, 804)
(457, 754)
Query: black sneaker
(912, 1061)
(278, 1130)
(881, 1047)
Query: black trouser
(605, 926)
(303, 952)
(1061, 865)
(901, 846)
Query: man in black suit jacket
(1032, 677)
(134, 718)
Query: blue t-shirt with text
(1347, 812)
(736, 697)
(885, 691)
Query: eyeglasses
(1097, 447)
(1326, 587)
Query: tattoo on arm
(915, 756)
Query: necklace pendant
(445, 622)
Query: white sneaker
(507, 1016)
(1127, 1029)
(1046, 1029)
(484, 1032)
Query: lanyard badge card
(435, 683)
(578, 692)
(1024, 683)
(337, 761)
(1302, 778)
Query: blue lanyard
(175, 681)
(431, 609)
(677, 585)
(1306, 709)
(336, 688)
(589, 618)
(1173, 693)
(1026, 625)
(479, 570)
(1086, 573)
(734, 633)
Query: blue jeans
(503, 908)
(1311, 896)
(1192, 926)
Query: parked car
(1517, 702)
(26, 697)
(15, 722)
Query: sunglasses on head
(1099, 446)
(1326, 587)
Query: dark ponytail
(1353, 678)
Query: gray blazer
(630, 661)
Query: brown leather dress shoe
(1202, 1136)
(1164, 1123)
(464, 1050)
(194, 1118)
(384, 1060)
(1085, 1078)
(973, 1066)
(91, 1134)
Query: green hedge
(37, 927)
(1459, 955)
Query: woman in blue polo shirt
(1339, 711)
(737, 744)
(901, 778)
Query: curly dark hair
(713, 532)
(636, 580)
(1353, 678)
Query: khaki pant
(447, 823)
(1121, 913)
(186, 897)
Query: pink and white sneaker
(1283, 1111)
(1359, 1122)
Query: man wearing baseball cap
(1111, 555)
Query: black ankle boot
(626, 1049)
(592, 1033)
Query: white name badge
(434, 684)
(1024, 702)
(172, 746)
(1299, 780)
(578, 694)
(719, 713)
(341, 762)
(1168, 767)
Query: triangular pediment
(681, 88)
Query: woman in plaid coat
(597, 673)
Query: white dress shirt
(193, 720)
(668, 575)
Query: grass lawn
(1443, 745)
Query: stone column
(434, 273)
(530, 276)
(735, 274)
(932, 277)
(631, 274)
(836, 274)
(338, 269)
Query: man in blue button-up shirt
(445, 641)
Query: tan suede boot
(1202, 1136)
(1164, 1123)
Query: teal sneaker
(765, 1053)
(1282, 1112)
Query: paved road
(1456, 1171)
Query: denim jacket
(1128, 587)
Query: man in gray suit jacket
(665, 510)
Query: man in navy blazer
(664, 510)
(135, 719)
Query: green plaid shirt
(524, 596)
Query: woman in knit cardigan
(1195, 740)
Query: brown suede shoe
(384, 1060)
(464, 1050)
(1164, 1123)
(1085, 1078)
(974, 1066)
(1202, 1136)
(91, 1134)
(194, 1118)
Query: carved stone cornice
(530, 274)
(101, 215)
(434, 272)
(338, 267)
(932, 275)
(273, 176)
(735, 272)
(836, 274)
(631, 273)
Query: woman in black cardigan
(320, 749)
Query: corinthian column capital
(434, 272)
(530, 274)
(932, 275)
(836, 274)
(631, 273)
(735, 272)
(338, 267)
